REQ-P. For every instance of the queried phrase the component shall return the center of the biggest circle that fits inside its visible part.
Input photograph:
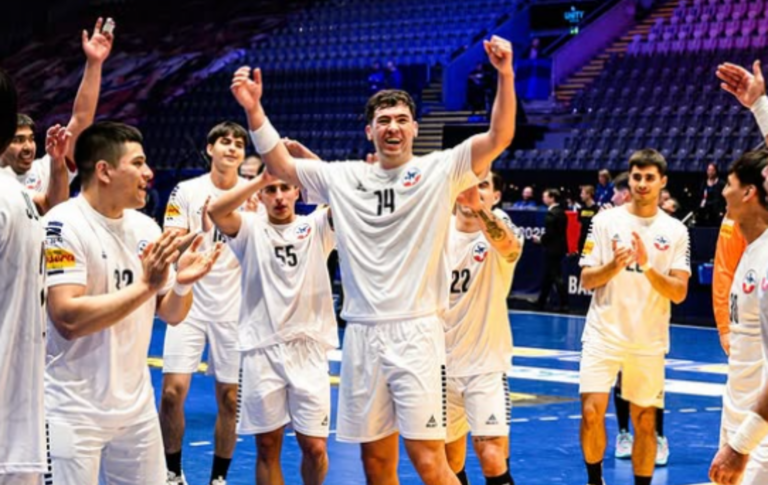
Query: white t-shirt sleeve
(461, 174)
(315, 179)
(6, 222)
(239, 243)
(324, 229)
(65, 261)
(682, 256)
(594, 252)
(176, 211)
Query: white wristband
(751, 432)
(266, 138)
(645, 267)
(181, 290)
(760, 110)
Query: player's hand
(745, 86)
(157, 259)
(471, 199)
(372, 158)
(499, 53)
(246, 90)
(641, 254)
(57, 141)
(297, 150)
(252, 204)
(725, 343)
(98, 47)
(193, 264)
(728, 466)
(622, 255)
(207, 223)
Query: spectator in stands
(555, 243)
(528, 202)
(671, 206)
(476, 89)
(251, 167)
(604, 191)
(376, 78)
(588, 210)
(712, 206)
(393, 78)
(621, 192)
(664, 196)
(533, 50)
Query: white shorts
(185, 342)
(393, 379)
(123, 456)
(480, 404)
(285, 383)
(642, 376)
(756, 472)
(21, 479)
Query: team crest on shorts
(142, 246)
(412, 177)
(480, 252)
(303, 231)
(661, 243)
(750, 282)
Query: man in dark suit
(555, 243)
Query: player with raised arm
(484, 248)
(109, 272)
(213, 316)
(392, 219)
(49, 185)
(634, 247)
(287, 324)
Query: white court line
(200, 443)
(687, 410)
(713, 408)
(549, 418)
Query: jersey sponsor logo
(661, 243)
(480, 252)
(142, 246)
(303, 231)
(412, 177)
(432, 423)
(588, 247)
(57, 259)
(172, 211)
(726, 230)
(749, 283)
(53, 231)
(492, 421)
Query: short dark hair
(749, 171)
(103, 140)
(227, 128)
(388, 98)
(498, 182)
(621, 182)
(553, 193)
(648, 157)
(8, 107)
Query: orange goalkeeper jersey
(730, 247)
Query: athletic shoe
(662, 451)
(219, 481)
(172, 479)
(624, 446)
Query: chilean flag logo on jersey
(142, 246)
(303, 231)
(661, 243)
(480, 252)
(412, 177)
(750, 282)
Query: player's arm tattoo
(501, 237)
(494, 231)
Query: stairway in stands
(580, 80)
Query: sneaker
(624, 446)
(173, 479)
(219, 481)
(662, 451)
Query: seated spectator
(528, 202)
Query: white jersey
(478, 337)
(22, 331)
(217, 294)
(286, 287)
(745, 362)
(37, 178)
(392, 230)
(101, 379)
(627, 313)
(762, 295)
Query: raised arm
(58, 142)
(748, 88)
(247, 89)
(96, 50)
(224, 210)
(486, 147)
(501, 237)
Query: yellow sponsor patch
(172, 211)
(588, 247)
(56, 258)
(726, 230)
